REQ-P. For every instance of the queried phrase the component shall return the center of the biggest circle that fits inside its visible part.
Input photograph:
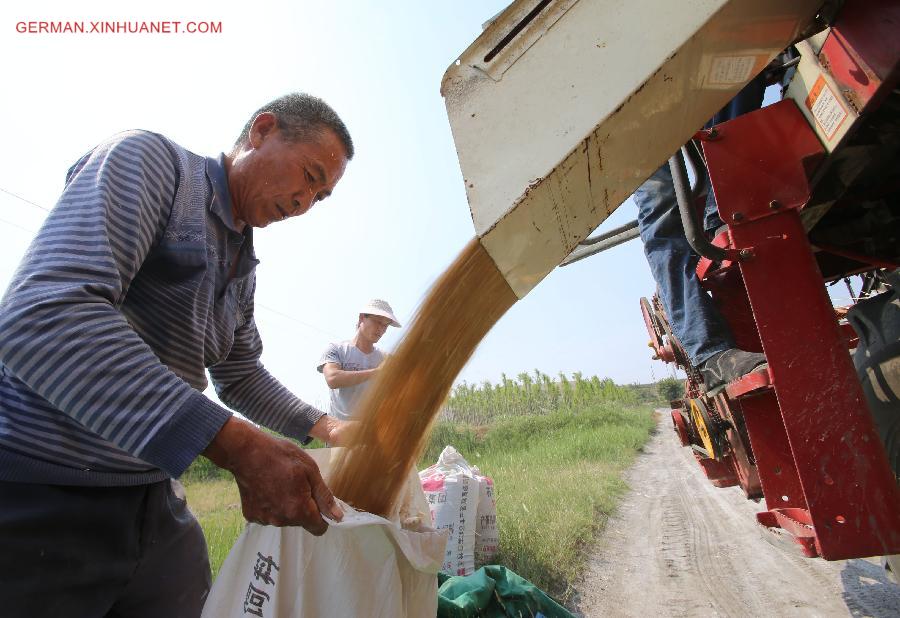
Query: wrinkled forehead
(328, 159)
(325, 145)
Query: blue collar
(221, 197)
(221, 207)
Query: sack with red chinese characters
(461, 501)
(487, 536)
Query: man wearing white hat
(349, 365)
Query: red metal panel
(719, 473)
(741, 456)
(748, 385)
(858, 257)
(680, 428)
(727, 290)
(813, 439)
(850, 491)
(801, 534)
(762, 162)
(772, 452)
(863, 50)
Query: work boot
(723, 368)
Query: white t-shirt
(349, 358)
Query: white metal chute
(560, 109)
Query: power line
(275, 311)
(24, 229)
(293, 319)
(27, 201)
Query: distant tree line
(536, 393)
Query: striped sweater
(120, 305)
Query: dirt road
(680, 547)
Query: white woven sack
(452, 491)
(487, 536)
(364, 566)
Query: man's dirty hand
(280, 485)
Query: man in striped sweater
(139, 282)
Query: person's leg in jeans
(693, 316)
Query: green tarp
(494, 592)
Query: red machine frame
(801, 436)
(821, 466)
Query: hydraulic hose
(693, 230)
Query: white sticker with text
(826, 108)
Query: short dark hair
(301, 116)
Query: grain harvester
(562, 108)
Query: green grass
(557, 472)
(557, 479)
(217, 506)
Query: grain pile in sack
(458, 496)
(364, 566)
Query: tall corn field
(530, 394)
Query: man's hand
(333, 431)
(280, 485)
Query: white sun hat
(380, 307)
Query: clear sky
(397, 218)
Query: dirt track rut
(680, 547)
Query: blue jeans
(694, 318)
